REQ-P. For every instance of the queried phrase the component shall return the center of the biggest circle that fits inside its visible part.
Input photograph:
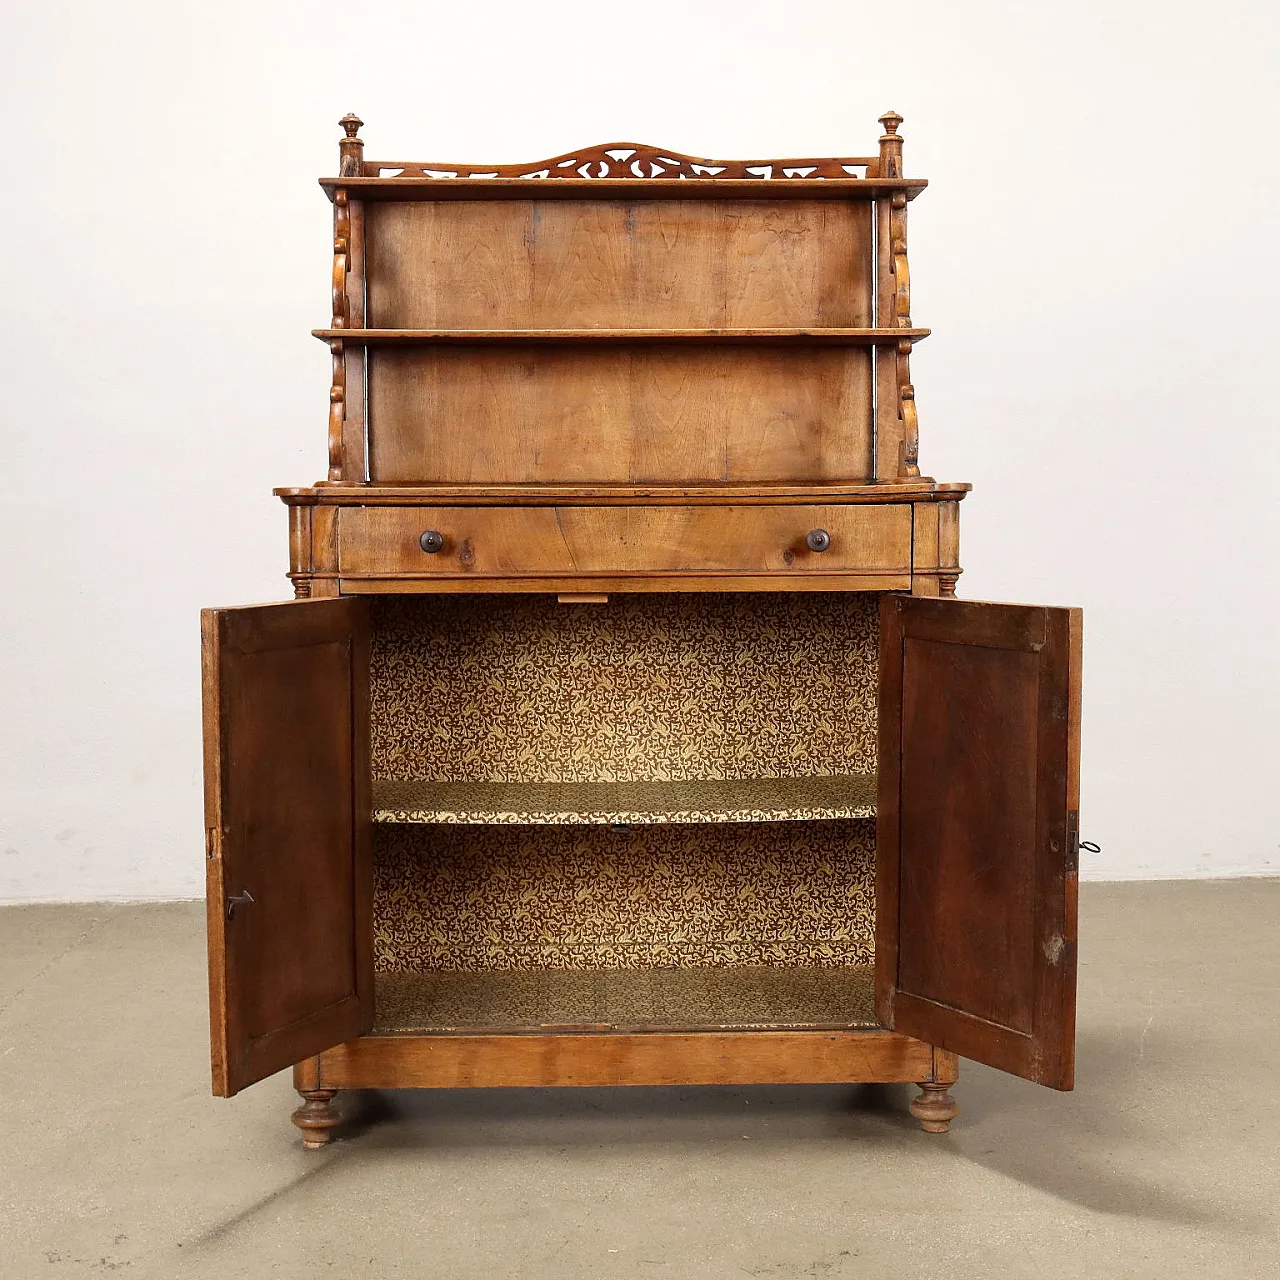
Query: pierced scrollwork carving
(341, 258)
(341, 315)
(910, 433)
(337, 410)
(630, 160)
(901, 268)
(908, 468)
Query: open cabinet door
(287, 828)
(977, 831)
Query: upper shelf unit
(777, 337)
(622, 314)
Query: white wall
(1096, 257)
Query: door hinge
(1073, 842)
(242, 899)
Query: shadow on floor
(1100, 1148)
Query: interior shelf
(710, 999)
(809, 337)
(607, 803)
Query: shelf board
(534, 493)
(624, 803)
(812, 337)
(756, 998)
(622, 188)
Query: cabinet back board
(700, 688)
(618, 264)
(649, 687)
(621, 410)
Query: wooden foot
(317, 1117)
(935, 1108)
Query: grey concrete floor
(1164, 1162)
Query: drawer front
(578, 542)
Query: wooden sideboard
(625, 728)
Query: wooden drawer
(580, 542)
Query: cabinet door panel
(287, 814)
(976, 839)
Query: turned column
(898, 454)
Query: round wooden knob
(431, 541)
(817, 540)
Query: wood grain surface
(576, 542)
(286, 732)
(645, 1058)
(650, 412)
(618, 264)
(976, 889)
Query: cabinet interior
(656, 812)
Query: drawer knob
(817, 540)
(431, 541)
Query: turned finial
(890, 146)
(350, 147)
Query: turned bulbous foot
(317, 1117)
(935, 1108)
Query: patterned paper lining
(753, 998)
(469, 898)
(770, 693)
(647, 688)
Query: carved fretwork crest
(629, 160)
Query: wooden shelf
(622, 188)
(694, 999)
(372, 494)
(624, 803)
(711, 337)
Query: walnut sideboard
(625, 728)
